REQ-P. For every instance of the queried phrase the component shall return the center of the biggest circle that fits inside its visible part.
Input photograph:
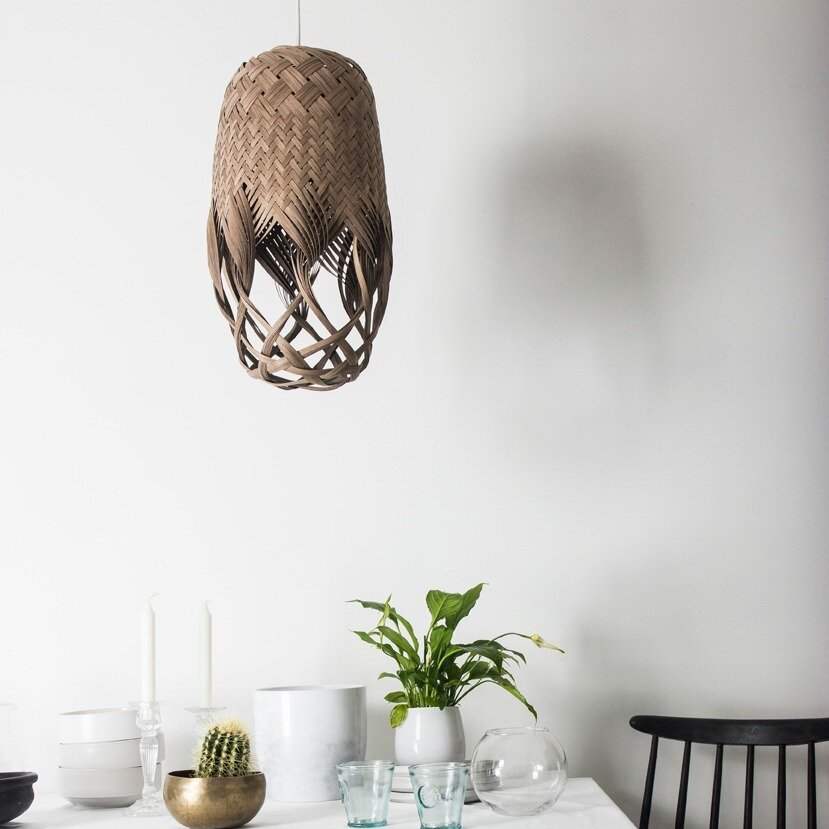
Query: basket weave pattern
(299, 187)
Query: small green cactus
(225, 751)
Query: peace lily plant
(436, 672)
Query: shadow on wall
(570, 339)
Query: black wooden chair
(749, 733)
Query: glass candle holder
(365, 790)
(204, 717)
(519, 771)
(439, 792)
(148, 719)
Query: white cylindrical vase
(430, 735)
(302, 732)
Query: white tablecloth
(582, 806)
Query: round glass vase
(519, 771)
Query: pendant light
(299, 190)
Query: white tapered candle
(206, 657)
(148, 652)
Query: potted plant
(223, 791)
(436, 673)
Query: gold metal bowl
(213, 802)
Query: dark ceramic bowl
(16, 793)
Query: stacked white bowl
(99, 759)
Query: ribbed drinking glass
(439, 790)
(365, 790)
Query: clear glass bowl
(519, 771)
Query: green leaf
(468, 601)
(478, 669)
(449, 654)
(367, 638)
(387, 675)
(397, 696)
(493, 646)
(488, 650)
(416, 675)
(471, 672)
(399, 641)
(380, 607)
(438, 639)
(452, 607)
(453, 673)
(385, 648)
(414, 682)
(441, 605)
(510, 688)
(398, 715)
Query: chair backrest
(749, 733)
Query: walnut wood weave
(299, 187)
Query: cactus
(225, 751)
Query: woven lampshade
(299, 187)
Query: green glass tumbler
(365, 790)
(439, 791)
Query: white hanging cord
(299, 22)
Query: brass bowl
(213, 802)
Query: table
(582, 806)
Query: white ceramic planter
(430, 735)
(302, 732)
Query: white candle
(148, 652)
(206, 657)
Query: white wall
(601, 384)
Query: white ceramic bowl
(98, 725)
(103, 802)
(123, 785)
(117, 754)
